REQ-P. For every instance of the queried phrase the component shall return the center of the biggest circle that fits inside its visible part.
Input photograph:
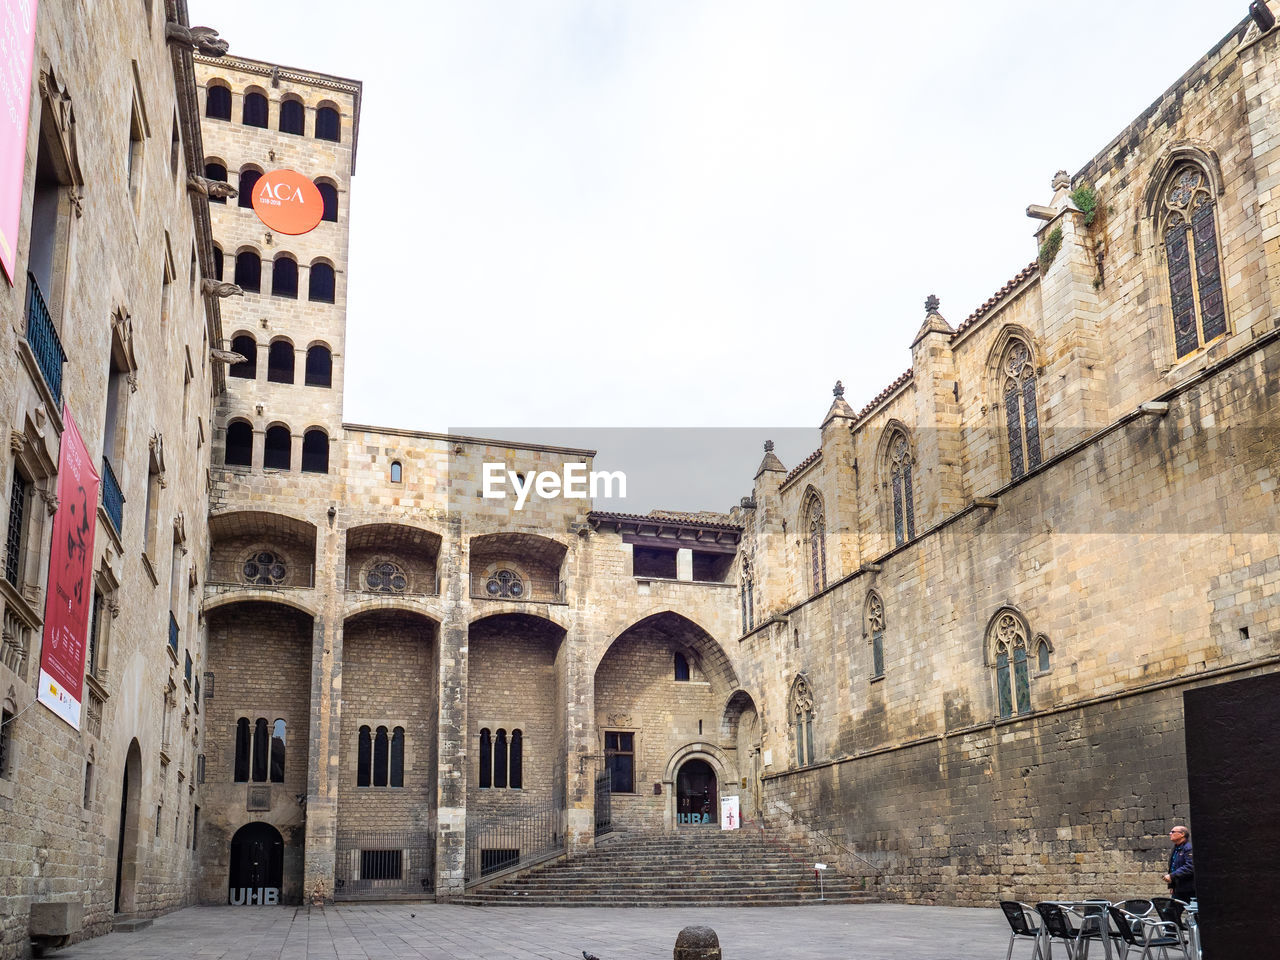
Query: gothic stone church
(953, 640)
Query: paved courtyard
(443, 932)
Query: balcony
(112, 497)
(43, 340)
(390, 579)
(173, 635)
(263, 569)
(505, 585)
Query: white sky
(677, 213)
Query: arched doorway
(127, 834)
(257, 865)
(697, 794)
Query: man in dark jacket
(1181, 877)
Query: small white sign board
(729, 818)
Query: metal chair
(1024, 922)
(1144, 933)
(1093, 926)
(1172, 912)
(1057, 925)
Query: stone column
(684, 564)
(451, 729)
(576, 681)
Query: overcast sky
(676, 213)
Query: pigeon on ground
(589, 956)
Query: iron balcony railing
(112, 497)
(43, 339)
(377, 865)
(517, 839)
(173, 633)
(256, 573)
(500, 587)
(390, 580)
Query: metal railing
(604, 803)
(506, 841)
(43, 339)
(233, 573)
(516, 588)
(112, 496)
(372, 866)
(380, 582)
(173, 633)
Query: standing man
(1181, 877)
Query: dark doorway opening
(257, 865)
(127, 835)
(697, 796)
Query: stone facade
(950, 644)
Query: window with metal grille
(17, 527)
(492, 860)
(6, 744)
(381, 864)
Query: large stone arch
(699, 638)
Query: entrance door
(257, 865)
(697, 795)
(127, 834)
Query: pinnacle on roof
(770, 463)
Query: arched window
(291, 117)
(329, 194)
(904, 509)
(321, 285)
(815, 534)
(217, 103)
(247, 347)
(381, 755)
(249, 178)
(213, 170)
(1190, 238)
(873, 630)
(241, 770)
(516, 776)
(280, 362)
(249, 271)
(1022, 420)
(265, 568)
(217, 262)
(396, 778)
(260, 750)
(486, 759)
(1007, 643)
(255, 110)
(284, 277)
(364, 758)
(1043, 652)
(682, 666)
(276, 454)
(396, 471)
(500, 758)
(802, 720)
(328, 124)
(386, 577)
(239, 449)
(315, 452)
(277, 751)
(319, 371)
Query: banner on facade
(17, 41)
(729, 818)
(70, 593)
(288, 202)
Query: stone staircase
(692, 868)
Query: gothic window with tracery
(504, 585)
(875, 633)
(265, 569)
(1021, 417)
(1190, 239)
(900, 469)
(1008, 640)
(386, 577)
(802, 720)
(815, 532)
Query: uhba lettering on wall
(254, 896)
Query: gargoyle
(202, 39)
(220, 288)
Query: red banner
(17, 40)
(70, 594)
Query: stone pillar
(697, 943)
(684, 564)
(841, 493)
(451, 730)
(576, 681)
(937, 435)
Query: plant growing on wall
(1049, 249)
(1086, 200)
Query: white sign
(729, 819)
(819, 866)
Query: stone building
(949, 645)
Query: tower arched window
(328, 124)
(280, 362)
(364, 757)
(381, 756)
(259, 767)
(255, 110)
(486, 759)
(501, 759)
(239, 446)
(515, 776)
(815, 534)
(321, 285)
(284, 277)
(681, 666)
(319, 371)
(1007, 640)
(801, 711)
(277, 751)
(217, 103)
(395, 776)
(249, 271)
(315, 452)
(247, 347)
(397, 471)
(249, 178)
(1022, 420)
(213, 170)
(873, 628)
(328, 194)
(217, 262)
(240, 771)
(292, 117)
(901, 463)
(1190, 236)
(276, 450)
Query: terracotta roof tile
(990, 303)
(667, 516)
(884, 394)
(800, 467)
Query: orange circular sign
(287, 202)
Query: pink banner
(17, 40)
(70, 596)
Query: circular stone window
(266, 569)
